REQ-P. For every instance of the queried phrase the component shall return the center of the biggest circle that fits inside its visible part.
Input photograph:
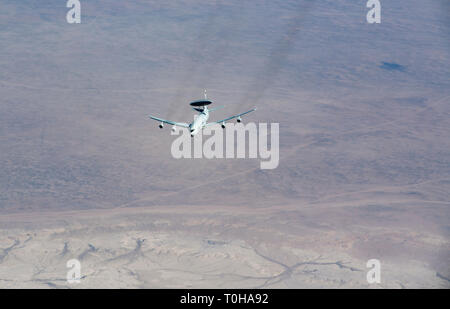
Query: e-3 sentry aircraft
(201, 120)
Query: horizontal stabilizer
(200, 110)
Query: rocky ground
(287, 246)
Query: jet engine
(161, 125)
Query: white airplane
(201, 120)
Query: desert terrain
(364, 168)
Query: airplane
(201, 121)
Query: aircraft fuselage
(199, 122)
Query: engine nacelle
(161, 125)
(174, 128)
(239, 119)
(223, 125)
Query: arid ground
(364, 167)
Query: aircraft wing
(229, 118)
(179, 124)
